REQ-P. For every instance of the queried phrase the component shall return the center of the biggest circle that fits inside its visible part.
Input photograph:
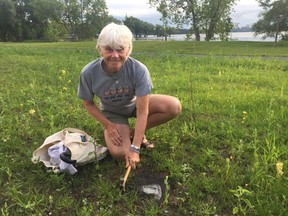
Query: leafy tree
(148, 28)
(274, 19)
(159, 31)
(137, 26)
(162, 31)
(22, 29)
(93, 18)
(82, 18)
(24, 19)
(36, 19)
(164, 18)
(72, 16)
(204, 16)
(47, 10)
(7, 19)
(55, 31)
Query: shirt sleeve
(144, 82)
(85, 88)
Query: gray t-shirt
(117, 93)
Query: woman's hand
(114, 135)
(111, 128)
(132, 158)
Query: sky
(245, 12)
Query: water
(237, 36)
(249, 36)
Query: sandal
(145, 143)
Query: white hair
(115, 36)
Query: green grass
(220, 154)
(214, 48)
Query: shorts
(117, 118)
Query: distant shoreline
(234, 36)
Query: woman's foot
(146, 144)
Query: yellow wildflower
(279, 168)
(32, 111)
(63, 72)
(244, 117)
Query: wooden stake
(126, 177)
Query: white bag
(82, 147)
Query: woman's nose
(115, 53)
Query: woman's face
(113, 59)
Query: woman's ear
(100, 51)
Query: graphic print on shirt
(116, 94)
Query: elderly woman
(123, 86)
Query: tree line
(212, 17)
(273, 21)
(52, 20)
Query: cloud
(245, 11)
(135, 12)
(134, 8)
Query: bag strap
(68, 139)
(73, 130)
(60, 135)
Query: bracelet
(134, 150)
(136, 147)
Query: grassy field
(225, 154)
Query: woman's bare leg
(162, 108)
(119, 152)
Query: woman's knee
(178, 106)
(174, 107)
(165, 104)
(117, 152)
